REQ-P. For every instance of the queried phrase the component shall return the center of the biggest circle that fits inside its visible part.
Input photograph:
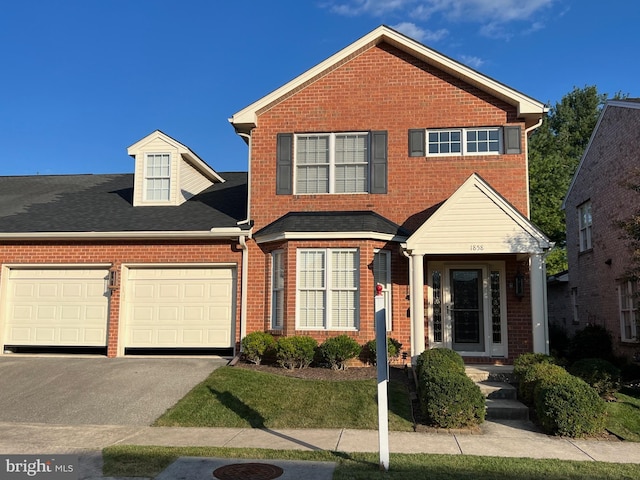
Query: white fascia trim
(385, 237)
(231, 232)
(526, 106)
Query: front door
(467, 310)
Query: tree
(555, 149)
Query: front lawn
(126, 460)
(623, 416)
(237, 397)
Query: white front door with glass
(466, 308)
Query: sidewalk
(503, 439)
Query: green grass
(623, 416)
(126, 460)
(236, 397)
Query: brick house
(598, 198)
(388, 163)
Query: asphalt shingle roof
(334, 221)
(103, 203)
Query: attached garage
(56, 307)
(191, 307)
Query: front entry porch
(484, 292)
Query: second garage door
(180, 308)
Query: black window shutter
(512, 140)
(417, 142)
(378, 162)
(284, 164)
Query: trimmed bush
(369, 351)
(535, 373)
(568, 406)
(449, 399)
(600, 374)
(338, 350)
(256, 345)
(295, 352)
(593, 341)
(525, 360)
(443, 359)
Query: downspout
(247, 220)
(244, 283)
(526, 149)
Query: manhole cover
(247, 471)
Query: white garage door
(57, 307)
(180, 308)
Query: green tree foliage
(555, 149)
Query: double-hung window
(464, 141)
(584, 225)
(628, 298)
(328, 285)
(332, 163)
(157, 177)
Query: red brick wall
(611, 162)
(166, 253)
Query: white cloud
(420, 34)
(471, 61)
(371, 7)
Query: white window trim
(386, 287)
(332, 163)
(585, 230)
(627, 303)
(274, 289)
(463, 141)
(147, 178)
(327, 288)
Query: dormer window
(157, 177)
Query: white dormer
(168, 172)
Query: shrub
(369, 351)
(568, 406)
(593, 341)
(256, 344)
(525, 360)
(450, 399)
(295, 352)
(443, 359)
(337, 350)
(535, 373)
(600, 374)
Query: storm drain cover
(248, 471)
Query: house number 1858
(477, 248)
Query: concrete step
(493, 373)
(501, 409)
(498, 390)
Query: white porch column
(417, 305)
(539, 315)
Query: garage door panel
(193, 301)
(57, 307)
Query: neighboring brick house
(388, 163)
(598, 198)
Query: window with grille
(628, 298)
(584, 223)
(277, 290)
(327, 289)
(157, 177)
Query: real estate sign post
(383, 377)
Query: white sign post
(383, 378)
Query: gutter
(221, 233)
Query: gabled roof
(631, 103)
(476, 220)
(333, 224)
(527, 107)
(100, 206)
(199, 164)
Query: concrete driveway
(96, 390)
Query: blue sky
(81, 80)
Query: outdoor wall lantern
(112, 282)
(519, 284)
